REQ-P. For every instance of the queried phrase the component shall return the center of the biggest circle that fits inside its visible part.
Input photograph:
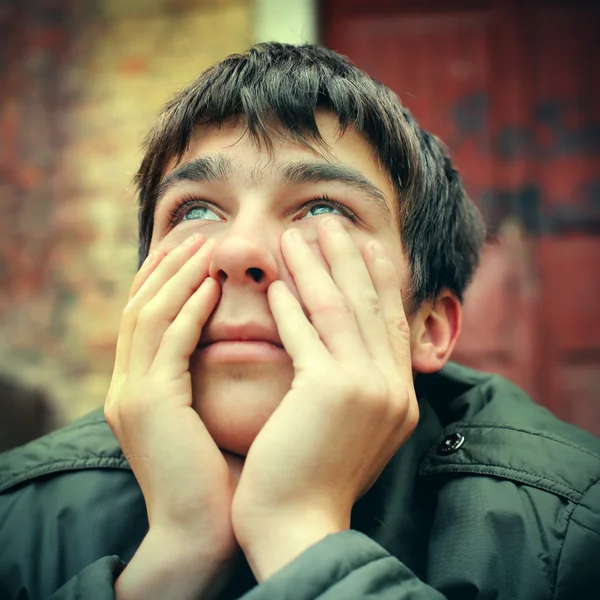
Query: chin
(235, 401)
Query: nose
(245, 259)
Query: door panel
(512, 90)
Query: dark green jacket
(491, 498)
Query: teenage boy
(282, 420)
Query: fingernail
(296, 235)
(334, 225)
(191, 240)
(149, 260)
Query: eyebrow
(218, 168)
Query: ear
(434, 332)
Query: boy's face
(245, 204)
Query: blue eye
(192, 209)
(320, 205)
(325, 201)
(195, 213)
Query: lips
(247, 332)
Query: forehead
(250, 163)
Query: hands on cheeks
(351, 405)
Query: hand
(351, 405)
(184, 477)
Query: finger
(148, 266)
(352, 277)
(168, 267)
(150, 278)
(181, 338)
(123, 341)
(387, 283)
(156, 317)
(330, 312)
(298, 336)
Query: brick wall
(80, 84)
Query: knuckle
(350, 388)
(149, 316)
(129, 410)
(173, 332)
(342, 385)
(412, 418)
(135, 285)
(111, 414)
(375, 390)
(110, 404)
(314, 335)
(379, 399)
(335, 308)
(400, 328)
(125, 401)
(130, 313)
(362, 390)
(397, 412)
(370, 300)
(144, 273)
(343, 306)
(405, 409)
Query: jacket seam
(480, 468)
(580, 524)
(460, 425)
(497, 545)
(365, 564)
(562, 547)
(61, 466)
(75, 427)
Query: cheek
(173, 238)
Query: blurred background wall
(80, 85)
(511, 88)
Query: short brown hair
(441, 230)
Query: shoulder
(87, 443)
(67, 500)
(524, 485)
(505, 434)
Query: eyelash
(177, 211)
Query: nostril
(256, 274)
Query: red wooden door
(514, 92)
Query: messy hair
(276, 88)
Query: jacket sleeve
(344, 566)
(68, 535)
(95, 582)
(578, 573)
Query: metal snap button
(451, 443)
